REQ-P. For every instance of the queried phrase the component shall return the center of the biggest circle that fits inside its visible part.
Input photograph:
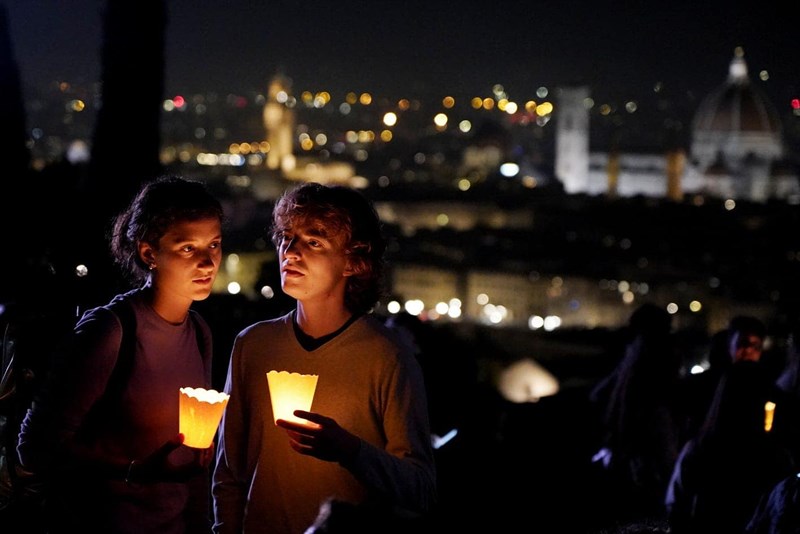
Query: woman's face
(187, 258)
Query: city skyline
(419, 50)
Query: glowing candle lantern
(290, 392)
(200, 413)
(769, 413)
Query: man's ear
(352, 267)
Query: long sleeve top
(119, 407)
(367, 383)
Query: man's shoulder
(266, 327)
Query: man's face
(314, 267)
(746, 347)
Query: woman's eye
(187, 248)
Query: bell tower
(279, 124)
(572, 139)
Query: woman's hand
(157, 467)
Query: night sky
(415, 49)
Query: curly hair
(347, 217)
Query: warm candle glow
(769, 412)
(200, 413)
(290, 392)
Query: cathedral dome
(736, 121)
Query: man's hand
(323, 438)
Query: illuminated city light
(81, 270)
(234, 288)
(440, 120)
(730, 204)
(365, 99)
(414, 307)
(448, 102)
(390, 119)
(442, 219)
(482, 299)
(544, 109)
(535, 322)
(465, 126)
(695, 306)
(509, 169)
(551, 322)
(672, 308)
(464, 184)
(267, 292)
(393, 307)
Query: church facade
(737, 151)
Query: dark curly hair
(347, 216)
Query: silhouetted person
(778, 511)
(637, 403)
(722, 472)
(743, 339)
(786, 424)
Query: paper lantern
(200, 413)
(290, 392)
(769, 414)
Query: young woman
(104, 431)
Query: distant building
(737, 150)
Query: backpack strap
(127, 346)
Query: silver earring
(151, 266)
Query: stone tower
(572, 139)
(279, 124)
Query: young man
(368, 437)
